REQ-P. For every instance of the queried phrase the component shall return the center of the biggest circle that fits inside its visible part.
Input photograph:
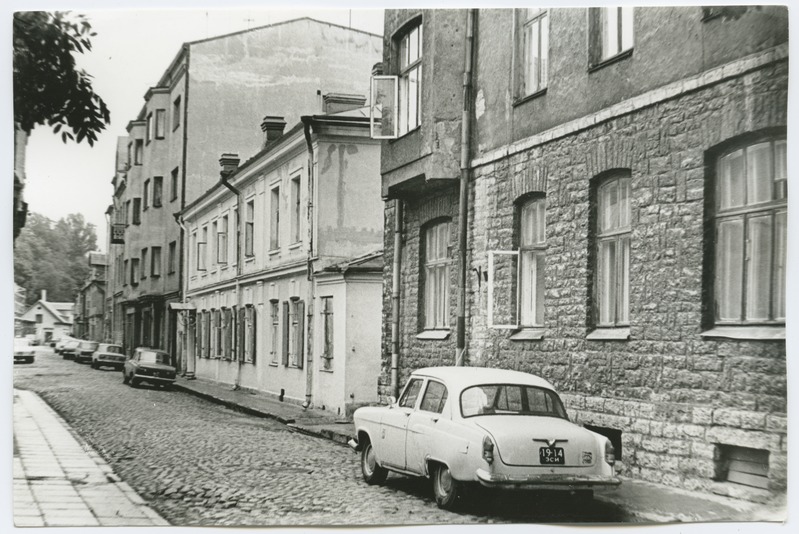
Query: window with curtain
(532, 255)
(410, 79)
(436, 275)
(612, 269)
(534, 48)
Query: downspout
(460, 350)
(395, 297)
(224, 180)
(189, 368)
(309, 361)
(183, 258)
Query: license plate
(551, 455)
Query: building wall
(362, 340)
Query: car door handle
(407, 414)
(434, 419)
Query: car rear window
(511, 399)
(89, 345)
(154, 357)
(116, 349)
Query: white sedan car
(498, 428)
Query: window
(534, 53)
(436, 276)
(160, 123)
(249, 229)
(274, 219)
(130, 154)
(176, 114)
(221, 241)
(215, 242)
(274, 314)
(134, 271)
(155, 267)
(411, 393)
(39, 317)
(158, 189)
(172, 256)
(435, 397)
(144, 263)
(611, 32)
(327, 333)
(532, 254)
(751, 234)
(146, 195)
(127, 212)
(136, 210)
(293, 328)
(410, 79)
(207, 333)
(149, 131)
(201, 259)
(295, 209)
(249, 333)
(139, 152)
(174, 185)
(612, 295)
(125, 273)
(227, 332)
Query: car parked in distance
(70, 349)
(85, 350)
(59, 344)
(23, 350)
(108, 355)
(468, 425)
(149, 365)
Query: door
(394, 425)
(423, 424)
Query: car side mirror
(392, 400)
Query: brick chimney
(229, 164)
(377, 69)
(272, 127)
(44, 295)
(338, 102)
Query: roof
(56, 309)
(370, 261)
(462, 377)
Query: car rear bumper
(25, 358)
(544, 482)
(154, 379)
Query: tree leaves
(48, 87)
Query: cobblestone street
(197, 463)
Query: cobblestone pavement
(197, 463)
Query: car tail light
(488, 450)
(610, 453)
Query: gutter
(395, 296)
(224, 175)
(307, 122)
(184, 281)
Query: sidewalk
(644, 500)
(60, 481)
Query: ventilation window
(612, 434)
(742, 465)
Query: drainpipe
(189, 367)
(309, 361)
(395, 297)
(230, 163)
(460, 350)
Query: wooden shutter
(240, 341)
(300, 339)
(252, 334)
(286, 326)
(234, 334)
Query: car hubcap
(369, 460)
(444, 481)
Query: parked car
(23, 350)
(70, 349)
(85, 350)
(149, 365)
(60, 343)
(108, 355)
(469, 425)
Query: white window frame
(444, 262)
(296, 208)
(620, 284)
(406, 68)
(379, 113)
(491, 254)
(534, 18)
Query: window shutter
(286, 327)
(300, 333)
(253, 324)
(240, 340)
(234, 333)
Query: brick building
(209, 100)
(598, 196)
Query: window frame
(158, 191)
(405, 68)
(174, 179)
(155, 261)
(160, 123)
(148, 131)
(221, 241)
(137, 210)
(176, 110)
(202, 242)
(144, 263)
(146, 195)
(274, 218)
(528, 19)
(274, 315)
(430, 266)
(295, 183)
(171, 256)
(138, 153)
(249, 229)
(327, 313)
(598, 23)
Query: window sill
(433, 335)
(274, 364)
(249, 259)
(611, 60)
(328, 371)
(528, 334)
(274, 251)
(406, 134)
(298, 244)
(531, 96)
(609, 334)
(776, 333)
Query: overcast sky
(132, 49)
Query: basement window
(612, 434)
(742, 465)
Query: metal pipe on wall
(395, 296)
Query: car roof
(463, 377)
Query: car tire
(124, 377)
(371, 471)
(94, 365)
(446, 489)
(134, 383)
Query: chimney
(377, 69)
(229, 164)
(44, 295)
(272, 127)
(338, 102)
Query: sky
(132, 49)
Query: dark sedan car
(85, 350)
(149, 365)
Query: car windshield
(511, 399)
(149, 356)
(89, 345)
(116, 349)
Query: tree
(53, 256)
(48, 87)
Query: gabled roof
(371, 261)
(56, 309)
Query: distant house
(47, 320)
(90, 302)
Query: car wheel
(124, 377)
(445, 488)
(133, 382)
(372, 473)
